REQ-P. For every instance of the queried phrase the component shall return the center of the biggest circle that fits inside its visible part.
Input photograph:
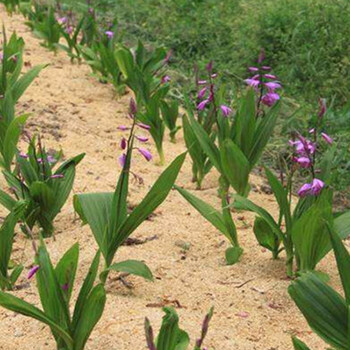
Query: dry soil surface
(75, 112)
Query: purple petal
(316, 186)
(109, 34)
(123, 127)
(327, 138)
(270, 76)
(143, 126)
(272, 85)
(202, 104)
(122, 160)
(201, 93)
(165, 79)
(226, 111)
(270, 99)
(57, 176)
(202, 82)
(147, 154)
(266, 68)
(123, 143)
(304, 190)
(33, 271)
(142, 138)
(323, 107)
(304, 162)
(253, 69)
(132, 106)
(252, 82)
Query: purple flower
(69, 30)
(57, 176)
(122, 160)
(313, 189)
(253, 69)
(270, 76)
(327, 138)
(123, 127)
(312, 131)
(253, 82)
(51, 159)
(304, 190)
(201, 82)
(143, 126)
(304, 162)
(132, 106)
(142, 138)
(109, 34)
(323, 107)
(23, 155)
(316, 186)
(303, 146)
(226, 111)
(165, 79)
(270, 99)
(209, 66)
(266, 68)
(202, 104)
(201, 93)
(213, 76)
(33, 271)
(273, 85)
(147, 154)
(62, 20)
(123, 143)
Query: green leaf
(66, 269)
(22, 84)
(233, 254)
(50, 291)
(153, 199)
(86, 289)
(15, 304)
(6, 200)
(11, 139)
(206, 210)
(299, 345)
(133, 267)
(343, 262)
(324, 309)
(171, 337)
(95, 209)
(246, 204)
(309, 234)
(342, 225)
(91, 313)
(265, 235)
(235, 166)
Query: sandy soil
(75, 112)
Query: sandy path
(73, 111)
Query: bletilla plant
(11, 5)
(107, 213)
(55, 286)
(301, 231)
(326, 311)
(145, 74)
(100, 55)
(171, 336)
(13, 83)
(233, 150)
(9, 272)
(44, 188)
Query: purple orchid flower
(226, 111)
(147, 154)
(109, 34)
(253, 69)
(327, 138)
(253, 82)
(122, 128)
(273, 85)
(202, 104)
(270, 99)
(33, 271)
(143, 126)
(313, 189)
(142, 138)
(165, 79)
(123, 143)
(202, 93)
(122, 160)
(270, 76)
(304, 162)
(57, 176)
(202, 82)
(323, 107)
(132, 106)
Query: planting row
(221, 130)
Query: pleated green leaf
(133, 267)
(324, 309)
